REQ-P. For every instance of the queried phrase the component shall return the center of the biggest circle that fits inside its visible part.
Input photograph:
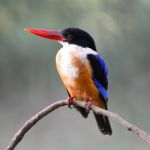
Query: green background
(29, 80)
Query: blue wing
(100, 74)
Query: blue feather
(102, 90)
(100, 75)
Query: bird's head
(69, 35)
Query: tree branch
(33, 120)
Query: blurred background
(29, 80)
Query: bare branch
(33, 120)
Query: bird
(82, 70)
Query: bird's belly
(83, 88)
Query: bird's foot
(70, 101)
(88, 104)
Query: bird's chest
(69, 64)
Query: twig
(33, 120)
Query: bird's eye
(69, 36)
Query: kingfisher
(82, 70)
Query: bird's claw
(70, 101)
(88, 105)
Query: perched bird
(82, 70)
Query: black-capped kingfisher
(82, 70)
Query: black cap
(79, 37)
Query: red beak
(49, 34)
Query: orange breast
(79, 82)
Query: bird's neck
(78, 50)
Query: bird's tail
(103, 124)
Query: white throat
(77, 48)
